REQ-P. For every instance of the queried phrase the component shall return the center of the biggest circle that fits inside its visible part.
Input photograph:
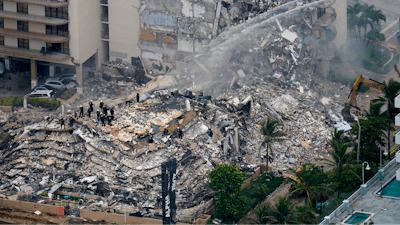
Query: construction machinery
(360, 81)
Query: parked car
(60, 83)
(67, 76)
(42, 94)
(43, 88)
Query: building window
(1, 5)
(23, 26)
(1, 40)
(22, 8)
(61, 12)
(23, 43)
(61, 30)
(58, 47)
(320, 12)
(1, 22)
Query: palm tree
(283, 213)
(391, 90)
(311, 182)
(373, 36)
(341, 159)
(270, 133)
(306, 215)
(375, 110)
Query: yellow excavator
(361, 81)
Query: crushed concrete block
(216, 134)
(48, 162)
(288, 35)
(241, 74)
(116, 153)
(305, 144)
(152, 147)
(193, 145)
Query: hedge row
(43, 102)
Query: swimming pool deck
(371, 203)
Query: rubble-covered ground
(251, 72)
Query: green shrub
(44, 102)
(44, 193)
(68, 94)
(11, 101)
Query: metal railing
(339, 210)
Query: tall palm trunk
(267, 157)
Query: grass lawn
(359, 54)
(257, 192)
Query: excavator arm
(360, 81)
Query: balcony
(32, 18)
(397, 102)
(33, 36)
(105, 35)
(104, 18)
(35, 54)
(47, 3)
(397, 120)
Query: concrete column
(97, 60)
(236, 139)
(364, 189)
(381, 175)
(34, 79)
(79, 79)
(52, 70)
(25, 102)
(7, 63)
(62, 109)
(346, 204)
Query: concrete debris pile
(114, 79)
(212, 115)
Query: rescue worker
(62, 122)
(71, 121)
(137, 96)
(81, 112)
(98, 115)
(151, 139)
(101, 104)
(105, 110)
(89, 112)
(179, 133)
(91, 106)
(111, 111)
(102, 119)
(165, 132)
(109, 118)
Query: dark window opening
(1, 5)
(61, 30)
(58, 47)
(320, 12)
(1, 40)
(61, 12)
(22, 8)
(23, 26)
(23, 43)
(1, 22)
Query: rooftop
(386, 209)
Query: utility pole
(359, 140)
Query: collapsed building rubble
(264, 68)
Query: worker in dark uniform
(105, 110)
(165, 132)
(81, 112)
(71, 121)
(179, 133)
(137, 96)
(89, 112)
(112, 111)
(109, 118)
(91, 106)
(98, 115)
(62, 122)
(101, 104)
(151, 139)
(102, 119)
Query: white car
(67, 76)
(42, 94)
(43, 88)
(59, 84)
